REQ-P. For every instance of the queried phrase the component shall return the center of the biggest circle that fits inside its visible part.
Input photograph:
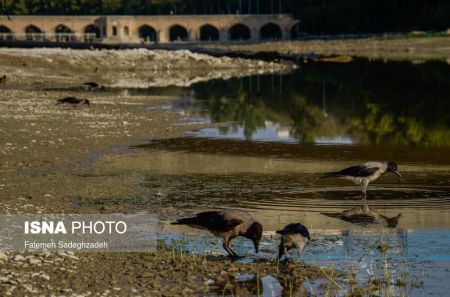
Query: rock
(3, 256)
(72, 257)
(45, 277)
(18, 258)
(147, 274)
(34, 261)
(187, 291)
(28, 288)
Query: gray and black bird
(227, 224)
(91, 84)
(293, 235)
(365, 173)
(73, 101)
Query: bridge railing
(59, 37)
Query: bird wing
(295, 229)
(211, 220)
(357, 171)
(72, 100)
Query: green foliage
(373, 102)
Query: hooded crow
(74, 101)
(293, 235)
(227, 224)
(365, 173)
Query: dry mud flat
(137, 68)
(420, 48)
(47, 153)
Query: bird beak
(256, 246)
(397, 173)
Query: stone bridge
(152, 29)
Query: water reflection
(360, 217)
(320, 119)
(360, 102)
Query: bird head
(254, 232)
(392, 167)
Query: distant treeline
(317, 16)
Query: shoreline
(48, 165)
(376, 47)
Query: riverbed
(258, 143)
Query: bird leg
(365, 183)
(225, 247)
(231, 253)
(365, 206)
(234, 253)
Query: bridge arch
(5, 33)
(147, 32)
(178, 32)
(91, 29)
(295, 31)
(209, 33)
(270, 31)
(239, 32)
(33, 32)
(63, 33)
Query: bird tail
(184, 221)
(331, 174)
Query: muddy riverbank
(133, 68)
(47, 153)
(395, 48)
(123, 154)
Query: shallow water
(274, 136)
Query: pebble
(18, 258)
(34, 261)
(45, 276)
(72, 257)
(3, 256)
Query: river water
(271, 137)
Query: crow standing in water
(365, 173)
(74, 101)
(227, 224)
(293, 235)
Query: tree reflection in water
(372, 102)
